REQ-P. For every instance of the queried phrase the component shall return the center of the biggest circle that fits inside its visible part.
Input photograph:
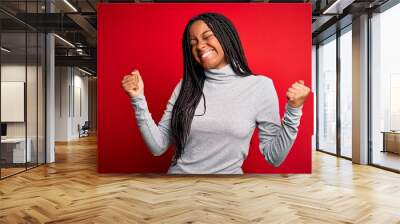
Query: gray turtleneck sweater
(219, 140)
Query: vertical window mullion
(0, 90)
(37, 90)
(369, 100)
(26, 86)
(338, 73)
(317, 95)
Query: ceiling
(76, 22)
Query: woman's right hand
(133, 84)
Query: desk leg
(384, 143)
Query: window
(385, 88)
(346, 92)
(22, 78)
(327, 96)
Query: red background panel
(276, 39)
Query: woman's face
(205, 46)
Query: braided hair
(194, 77)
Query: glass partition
(14, 154)
(346, 93)
(22, 88)
(327, 96)
(385, 89)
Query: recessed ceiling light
(64, 40)
(5, 50)
(338, 6)
(84, 71)
(70, 5)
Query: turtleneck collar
(224, 74)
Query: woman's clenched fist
(133, 84)
(297, 94)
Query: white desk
(18, 149)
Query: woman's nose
(201, 44)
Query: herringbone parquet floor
(71, 191)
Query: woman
(213, 111)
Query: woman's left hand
(297, 94)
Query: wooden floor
(71, 191)
(5, 172)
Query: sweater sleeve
(276, 138)
(157, 137)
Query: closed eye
(193, 42)
(209, 36)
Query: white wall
(16, 72)
(71, 92)
(61, 103)
(33, 127)
(80, 84)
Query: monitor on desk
(3, 130)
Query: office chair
(84, 130)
